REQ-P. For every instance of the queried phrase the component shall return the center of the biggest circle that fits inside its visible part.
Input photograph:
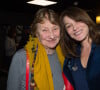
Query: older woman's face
(76, 30)
(48, 34)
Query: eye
(44, 30)
(68, 26)
(55, 28)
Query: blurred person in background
(10, 44)
(24, 37)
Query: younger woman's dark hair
(69, 46)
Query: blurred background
(17, 15)
(20, 12)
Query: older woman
(43, 54)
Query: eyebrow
(66, 24)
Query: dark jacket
(92, 71)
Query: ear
(37, 35)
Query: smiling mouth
(77, 33)
(51, 41)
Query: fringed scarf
(42, 71)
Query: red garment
(68, 85)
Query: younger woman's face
(79, 31)
(48, 34)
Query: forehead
(45, 23)
(67, 19)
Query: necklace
(75, 67)
(72, 65)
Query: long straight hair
(69, 46)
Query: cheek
(42, 37)
(87, 29)
(69, 32)
(57, 34)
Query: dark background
(19, 12)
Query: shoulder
(96, 49)
(19, 57)
(20, 53)
(94, 60)
(65, 63)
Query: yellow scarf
(42, 71)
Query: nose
(52, 35)
(75, 27)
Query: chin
(79, 39)
(52, 47)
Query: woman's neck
(85, 52)
(86, 43)
(50, 51)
